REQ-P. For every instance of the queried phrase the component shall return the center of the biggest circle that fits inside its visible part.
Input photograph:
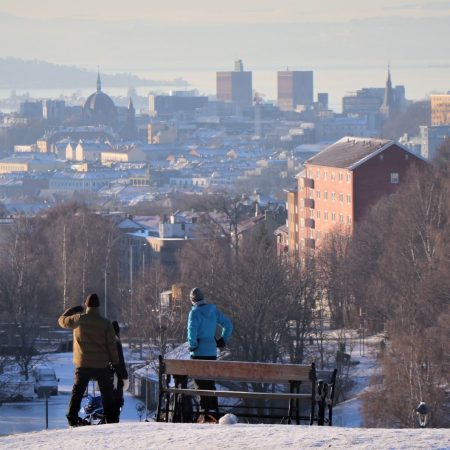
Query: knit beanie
(196, 295)
(92, 301)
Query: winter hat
(116, 327)
(196, 295)
(92, 301)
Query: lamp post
(143, 261)
(422, 412)
(131, 282)
(146, 389)
(106, 292)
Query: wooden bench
(174, 403)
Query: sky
(231, 11)
(178, 36)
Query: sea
(419, 80)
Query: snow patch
(228, 419)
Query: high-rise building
(235, 87)
(440, 109)
(295, 88)
(431, 138)
(53, 110)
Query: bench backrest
(239, 371)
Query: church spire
(389, 100)
(99, 82)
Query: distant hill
(17, 73)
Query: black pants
(207, 404)
(118, 401)
(105, 383)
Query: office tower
(440, 109)
(431, 138)
(295, 88)
(322, 100)
(235, 87)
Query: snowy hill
(153, 435)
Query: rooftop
(348, 151)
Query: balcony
(308, 203)
(310, 243)
(307, 182)
(310, 223)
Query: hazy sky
(144, 36)
(230, 11)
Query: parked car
(45, 381)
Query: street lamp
(106, 292)
(422, 412)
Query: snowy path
(347, 413)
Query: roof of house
(348, 151)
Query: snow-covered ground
(153, 435)
(346, 432)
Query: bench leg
(294, 388)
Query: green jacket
(94, 340)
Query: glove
(126, 384)
(120, 371)
(73, 310)
(221, 343)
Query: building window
(348, 178)
(310, 173)
(318, 174)
(318, 214)
(296, 227)
(311, 214)
(340, 176)
(325, 175)
(318, 194)
(325, 215)
(381, 157)
(394, 178)
(311, 234)
(341, 218)
(296, 209)
(302, 223)
(333, 217)
(333, 196)
(349, 220)
(341, 197)
(325, 195)
(333, 176)
(349, 199)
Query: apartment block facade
(440, 109)
(340, 184)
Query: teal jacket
(202, 324)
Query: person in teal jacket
(203, 320)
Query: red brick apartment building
(338, 185)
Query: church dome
(99, 109)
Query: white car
(45, 381)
